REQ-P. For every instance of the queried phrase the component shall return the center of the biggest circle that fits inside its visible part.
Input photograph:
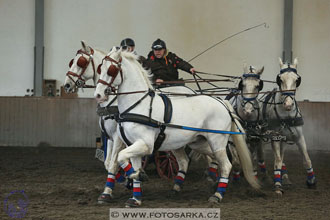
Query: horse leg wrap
(277, 177)
(311, 179)
(127, 167)
(137, 193)
(119, 177)
(110, 181)
(222, 186)
(178, 181)
(255, 173)
(213, 170)
(236, 176)
(284, 170)
(262, 166)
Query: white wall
(16, 47)
(311, 44)
(187, 26)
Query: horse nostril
(67, 86)
(98, 96)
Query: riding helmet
(127, 42)
(158, 44)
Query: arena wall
(64, 122)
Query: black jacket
(167, 67)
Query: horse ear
(83, 44)
(261, 70)
(295, 62)
(281, 62)
(245, 68)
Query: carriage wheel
(167, 166)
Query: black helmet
(158, 44)
(127, 42)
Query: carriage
(166, 163)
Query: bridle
(287, 94)
(83, 63)
(240, 87)
(113, 71)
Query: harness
(253, 128)
(125, 116)
(141, 119)
(109, 112)
(279, 122)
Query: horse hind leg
(225, 168)
(183, 162)
(235, 163)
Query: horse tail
(242, 149)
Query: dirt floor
(64, 183)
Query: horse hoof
(286, 182)
(211, 179)
(311, 184)
(132, 203)
(173, 194)
(129, 184)
(215, 199)
(278, 191)
(143, 177)
(105, 198)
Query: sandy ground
(64, 183)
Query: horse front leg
(311, 179)
(276, 146)
(136, 200)
(284, 172)
(138, 149)
(111, 164)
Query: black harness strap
(167, 119)
(264, 107)
(141, 119)
(122, 132)
(103, 129)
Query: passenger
(128, 44)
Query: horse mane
(134, 58)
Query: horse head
(109, 70)
(250, 85)
(81, 69)
(288, 81)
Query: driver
(164, 64)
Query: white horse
(82, 69)
(199, 117)
(247, 107)
(285, 122)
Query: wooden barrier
(72, 122)
(32, 121)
